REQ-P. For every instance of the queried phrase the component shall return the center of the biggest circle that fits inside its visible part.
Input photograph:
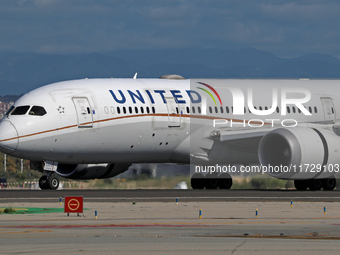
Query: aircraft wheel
(53, 182)
(211, 181)
(315, 184)
(197, 181)
(301, 184)
(43, 182)
(225, 181)
(329, 183)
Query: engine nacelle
(91, 171)
(300, 153)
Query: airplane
(96, 128)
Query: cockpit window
(9, 110)
(20, 110)
(37, 111)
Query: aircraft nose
(8, 137)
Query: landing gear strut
(49, 182)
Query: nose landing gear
(49, 182)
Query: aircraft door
(174, 114)
(84, 112)
(328, 108)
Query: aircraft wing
(245, 138)
(232, 135)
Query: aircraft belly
(105, 144)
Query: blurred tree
(13, 172)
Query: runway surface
(150, 222)
(169, 195)
(167, 228)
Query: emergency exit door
(84, 112)
(328, 108)
(174, 114)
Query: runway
(167, 228)
(150, 222)
(160, 195)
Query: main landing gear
(49, 182)
(211, 181)
(315, 184)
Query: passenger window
(20, 110)
(130, 109)
(118, 110)
(277, 109)
(221, 109)
(188, 111)
(199, 109)
(136, 109)
(227, 109)
(332, 110)
(288, 109)
(124, 110)
(299, 110)
(153, 110)
(310, 109)
(293, 109)
(210, 109)
(193, 109)
(147, 110)
(141, 109)
(315, 109)
(216, 110)
(106, 110)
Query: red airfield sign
(73, 205)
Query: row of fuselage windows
(131, 110)
(291, 109)
(146, 110)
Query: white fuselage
(156, 120)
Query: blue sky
(285, 28)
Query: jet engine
(300, 153)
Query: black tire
(225, 181)
(197, 181)
(301, 184)
(211, 181)
(53, 182)
(43, 182)
(329, 183)
(315, 184)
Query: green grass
(29, 210)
